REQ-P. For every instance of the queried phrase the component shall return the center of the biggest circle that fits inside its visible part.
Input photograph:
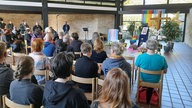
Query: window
(149, 2)
(133, 2)
(180, 1)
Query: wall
(94, 22)
(188, 32)
(18, 18)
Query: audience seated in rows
(115, 91)
(62, 93)
(85, 67)
(151, 61)
(98, 53)
(6, 73)
(40, 60)
(22, 90)
(49, 47)
(116, 60)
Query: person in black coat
(22, 90)
(37, 26)
(85, 67)
(61, 92)
(66, 28)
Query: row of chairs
(7, 103)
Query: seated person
(61, 92)
(7, 38)
(85, 67)
(142, 48)
(115, 92)
(94, 37)
(22, 90)
(116, 60)
(60, 40)
(76, 44)
(40, 60)
(6, 73)
(98, 53)
(151, 61)
(49, 47)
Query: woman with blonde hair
(98, 53)
(115, 92)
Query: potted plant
(171, 31)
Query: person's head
(48, 30)
(116, 90)
(86, 49)
(98, 45)
(48, 37)
(151, 44)
(3, 52)
(61, 65)
(95, 36)
(61, 34)
(10, 22)
(66, 39)
(117, 48)
(37, 45)
(25, 67)
(75, 36)
(36, 23)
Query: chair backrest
(42, 73)
(132, 59)
(78, 53)
(7, 103)
(85, 81)
(16, 55)
(26, 47)
(99, 85)
(158, 85)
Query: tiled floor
(177, 84)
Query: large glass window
(180, 1)
(133, 2)
(149, 2)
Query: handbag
(143, 95)
(154, 98)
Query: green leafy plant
(171, 30)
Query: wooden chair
(132, 59)
(99, 85)
(27, 47)
(158, 85)
(90, 96)
(7, 103)
(42, 73)
(16, 55)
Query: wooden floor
(177, 85)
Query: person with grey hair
(6, 73)
(85, 67)
(151, 61)
(95, 36)
(116, 60)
